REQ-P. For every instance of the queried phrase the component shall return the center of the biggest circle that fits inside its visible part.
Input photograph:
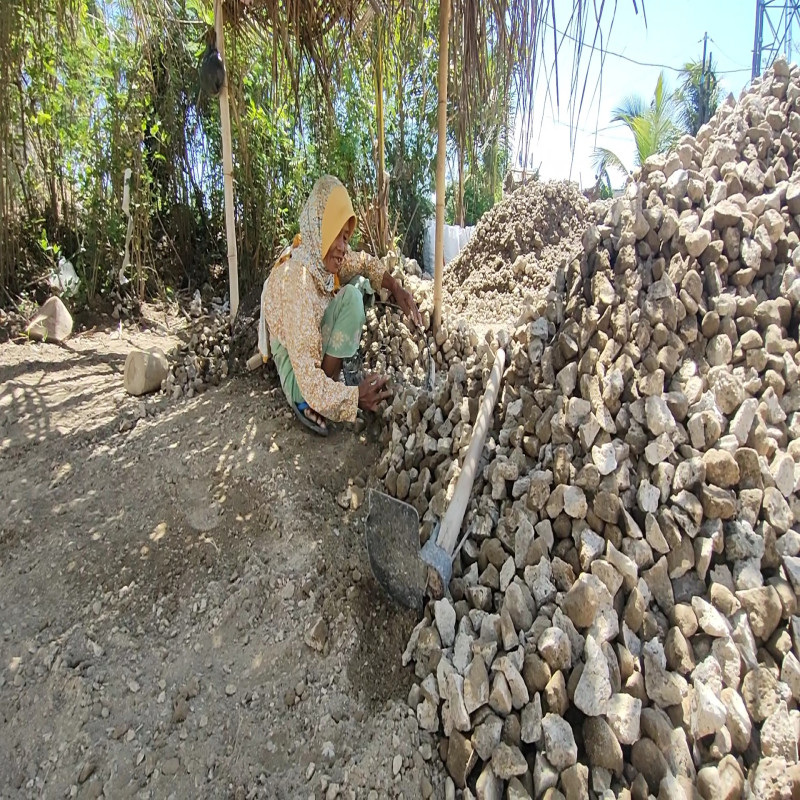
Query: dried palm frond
(500, 50)
(304, 32)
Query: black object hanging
(212, 68)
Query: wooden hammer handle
(451, 524)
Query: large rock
(764, 609)
(623, 715)
(461, 758)
(575, 502)
(476, 685)
(762, 693)
(508, 761)
(776, 510)
(559, 742)
(602, 746)
(709, 619)
(52, 322)
(721, 468)
(779, 735)
(772, 780)
(697, 242)
(531, 721)
(445, 617)
(726, 214)
(554, 647)
(145, 371)
(575, 782)
(708, 711)
(517, 606)
(738, 721)
(663, 687)
(594, 687)
(649, 761)
(580, 603)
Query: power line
(732, 60)
(608, 52)
(618, 126)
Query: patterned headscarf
(325, 213)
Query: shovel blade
(392, 529)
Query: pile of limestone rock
(516, 247)
(202, 361)
(623, 621)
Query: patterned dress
(296, 297)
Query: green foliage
(410, 124)
(604, 185)
(98, 88)
(699, 95)
(652, 126)
(479, 194)
(90, 89)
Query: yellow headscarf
(327, 210)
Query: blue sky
(673, 35)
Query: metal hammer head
(392, 532)
(403, 571)
(440, 566)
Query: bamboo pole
(383, 217)
(227, 167)
(441, 155)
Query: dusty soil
(160, 568)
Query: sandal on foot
(300, 410)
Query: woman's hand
(403, 298)
(406, 302)
(372, 392)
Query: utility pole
(702, 99)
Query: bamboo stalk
(438, 260)
(383, 217)
(227, 167)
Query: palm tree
(652, 125)
(699, 94)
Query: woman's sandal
(299, 410)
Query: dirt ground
(161, 568)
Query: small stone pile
(12, 325)
(515, 249)
(623, 621)
(125, 304)
(202, 361)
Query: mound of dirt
(187, 610)
(515, 251)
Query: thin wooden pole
(383, 217)
(227, 167)
(438, 260)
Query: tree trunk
(53, 191)
(444, 19)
